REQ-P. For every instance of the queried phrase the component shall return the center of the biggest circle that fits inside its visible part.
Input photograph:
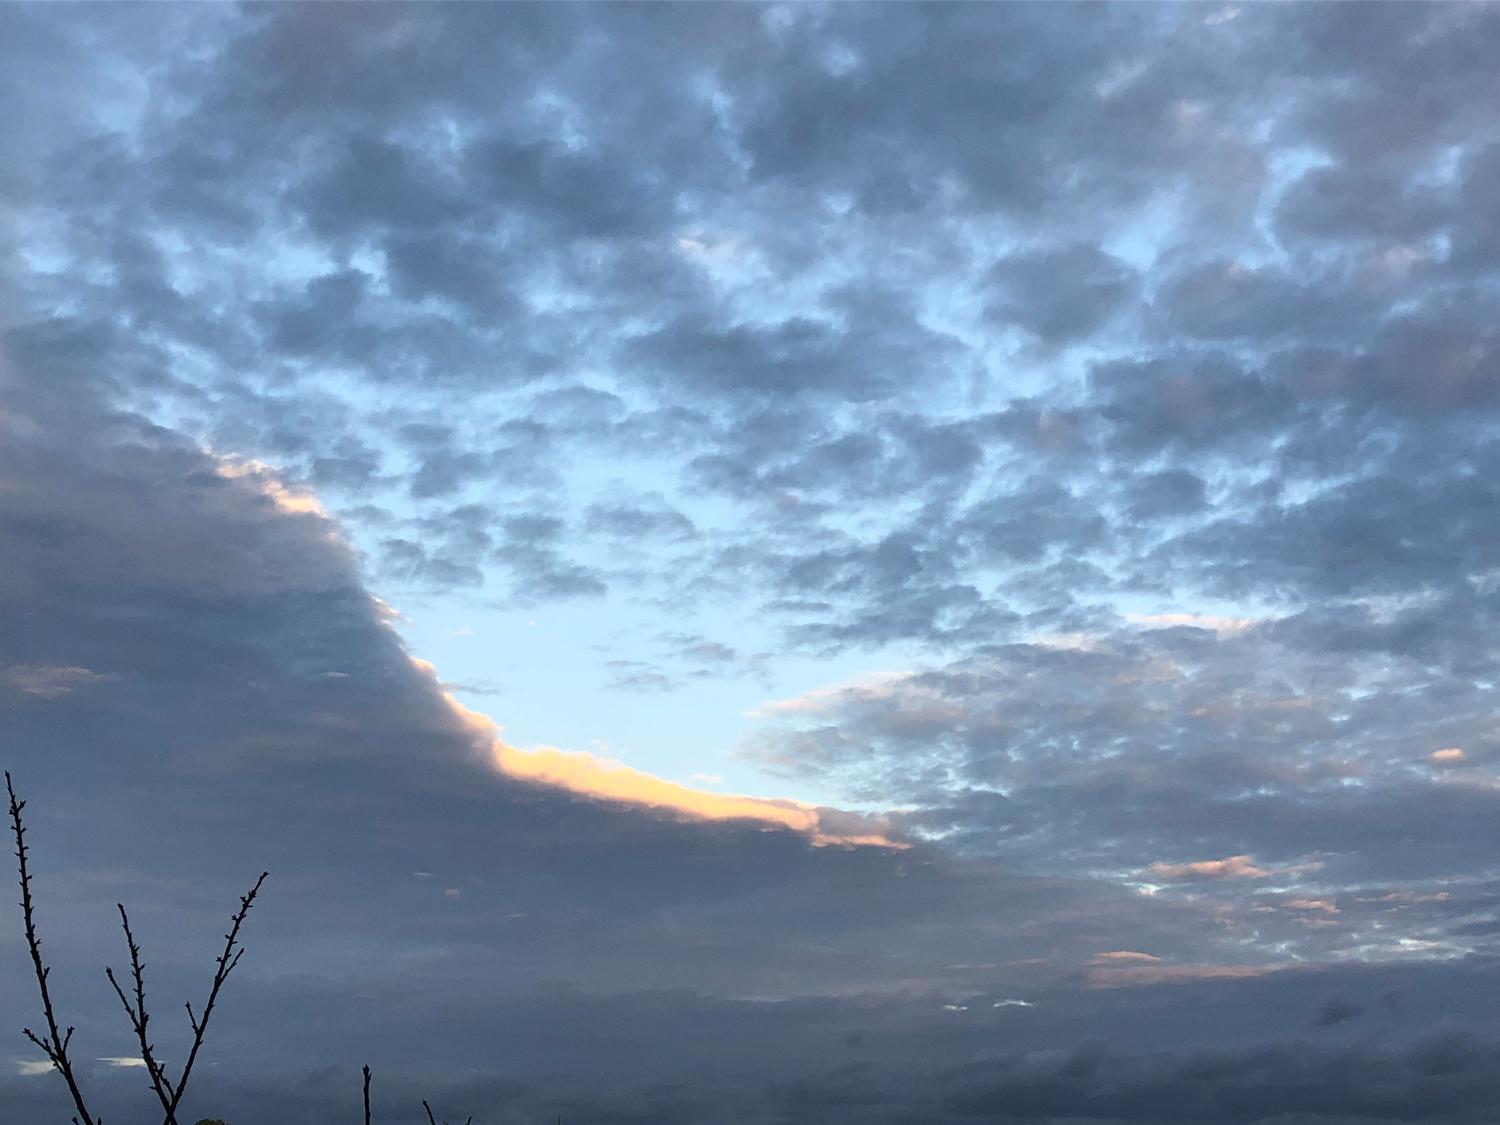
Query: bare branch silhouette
(433, 1121)
(140, 1017)
(54, 1044)
(168, 1093)
(225, 965)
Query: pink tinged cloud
(47, 681)
(1125, 968)
(1133, 975)
(1230, 867)
(1314, 905)
(1124, 957)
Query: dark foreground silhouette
(54, 1041)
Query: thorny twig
(139, 1018)
(433, 1121)
(167, 1092)
(54, 1044)
(225, 965)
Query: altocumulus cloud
(1125, 377)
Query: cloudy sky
(759, 564)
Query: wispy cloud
(1230, 867)
(48, 681)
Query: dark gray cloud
(1337, 1010)
(1060, 294)
(1340, 202)
(1125, 376)
(583, 228)
(907, 1059)
(1195, 750)
(194, 640)
(632, 521)
(1170, 492)
(867, 346)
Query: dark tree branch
(433, 1121)
(367, 1095)
(140, 1017)
(54, 1044)
(225, 965)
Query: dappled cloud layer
(1071, 429)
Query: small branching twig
(167, 1092)
(433, 1121)
(140, 1017)
(54, 1044)
(225, 965)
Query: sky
(759, 564)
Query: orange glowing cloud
(591, 776)
(287, 498)
(1451, 756)
(582, 773)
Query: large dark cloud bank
(1128, 376)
